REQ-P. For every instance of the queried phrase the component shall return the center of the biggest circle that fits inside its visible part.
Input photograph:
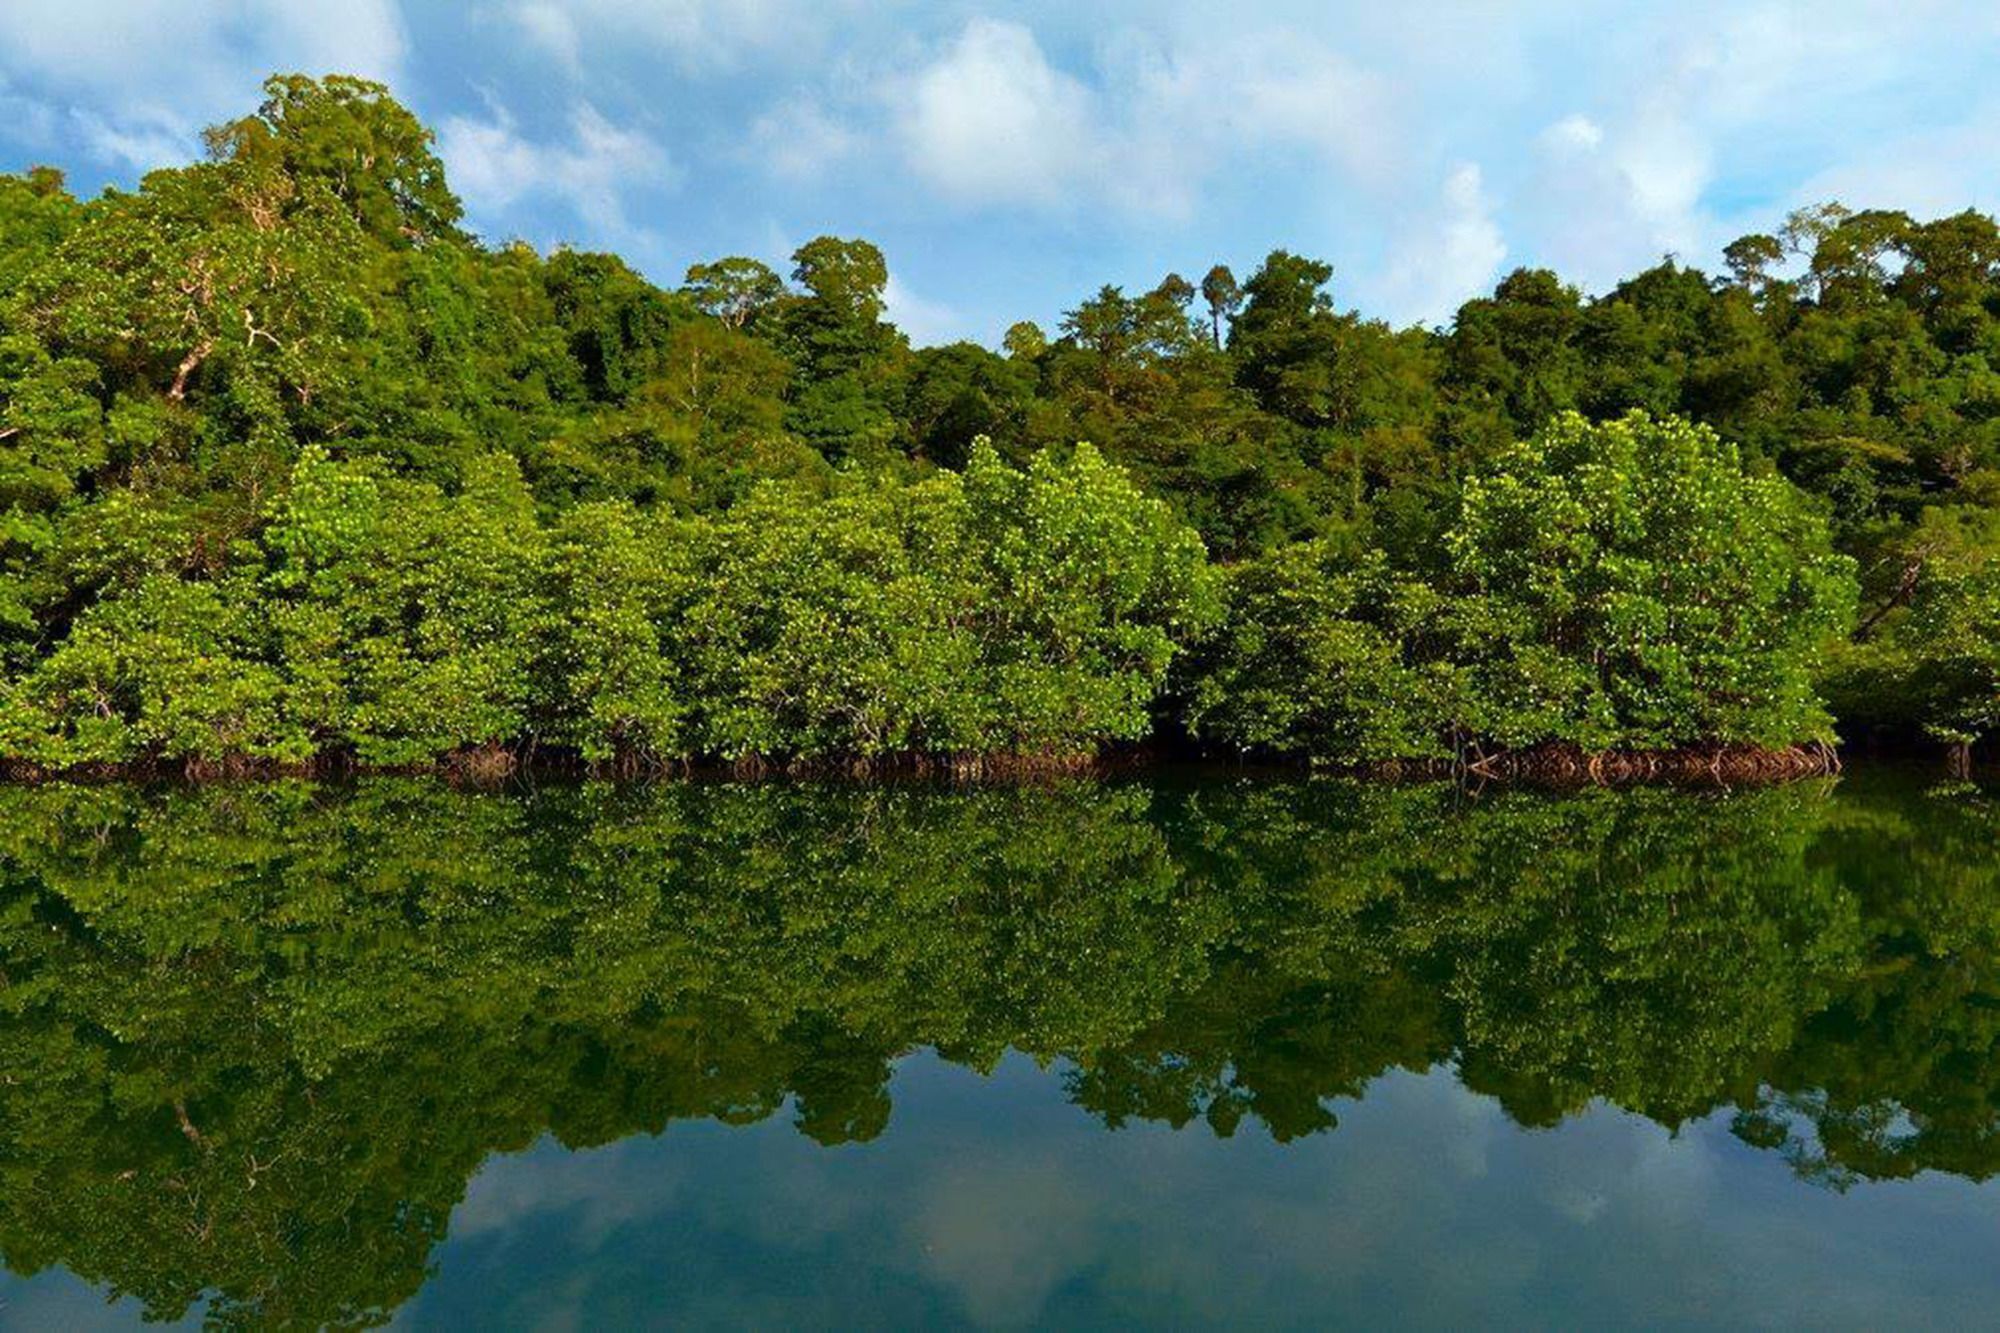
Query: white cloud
(550, 27)
(1472, 249)
(120, 47)
(1439, 261)
(1927, 173)
(1778, 93)
(927, 322)
(990, 121)
(136, 80)
(1667, 164)
(359, 37)
(493, 166)
(1578, 203)
(799, 141)
(1601, 202)
(139, 142)
(701, 35)
(1574, 133)
(1281, 87)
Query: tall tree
(353, 137)
(1224, 296)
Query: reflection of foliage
(1246, 1047)
(254, 1040)
(1649, 947)
(1901, 1073)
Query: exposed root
(481, 766)
(492, 764)
(1709, 765)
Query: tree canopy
(1429, 537)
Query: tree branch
(187, 367)
(1905, 587)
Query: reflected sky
(992, 1202)
(1155, 1053)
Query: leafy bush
(1622, 585)
(1031, 611)
(407, 622)
(1630, 584)
(1329, 656)
(170, 668)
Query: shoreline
(1540, 766)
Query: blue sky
(1010, 158)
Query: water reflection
(254, 1041)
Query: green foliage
(625, 580)
(1615, 586)
(1927, 658)
(1328, 656)
(960, 393)
(350, 135)
(406, 621)
(735, 290)
(1094, 586)
(832, 628)
(51, 425)
(168, 667)
(1026, 612)
(1951, 639)
(845, 278)
(230, 272)
(619, 325)
(1629, 585)
(256, 1039)
(170, 356)
(36, 212)
(849, 361)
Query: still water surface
(1183, 1050)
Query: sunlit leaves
(1640, 589)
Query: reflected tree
(254, 1040)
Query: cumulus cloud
(117, 46)
(1580, 204)
(1442, 258)
(1751, 100)
(96, 67)
(1609, 193)
(1280, 87)
(800, 141)
(1667, 164)
(989, 119)
(927, 322)
(494, 166)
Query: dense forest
(295, 470)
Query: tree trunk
(189, 364)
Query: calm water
(1171, 1052)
